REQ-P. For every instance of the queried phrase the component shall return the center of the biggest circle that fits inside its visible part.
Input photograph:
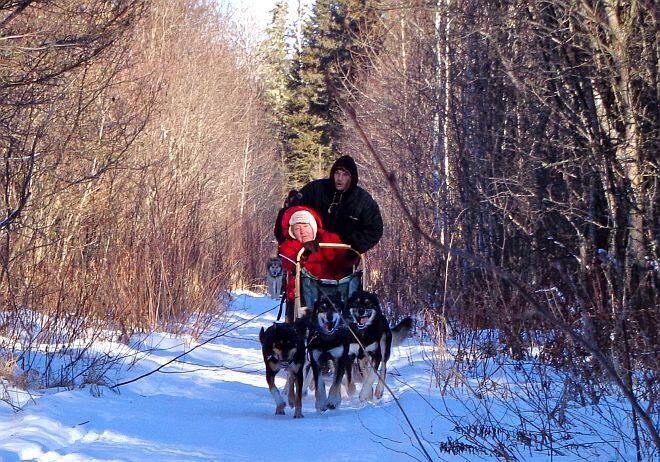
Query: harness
(283, 364)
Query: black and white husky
(376, 338)
(274, 277)
(327, 347)
(283, 348)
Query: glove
(293, 198)
(311, 246)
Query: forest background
(512, 146)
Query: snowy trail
(224, 412)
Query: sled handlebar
(331, 245)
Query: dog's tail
(401, 331)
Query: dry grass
(152, 158)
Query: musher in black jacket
(345, 208)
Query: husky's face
(274, 267)
(328, 315)
(363, 308)
(283, 353)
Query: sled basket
(312, 287)
(309, 288)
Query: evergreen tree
(308, 143)
(332, 40)
(275, 71)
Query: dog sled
(347, 336)
(309, 288)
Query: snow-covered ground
(213, 405)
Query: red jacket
(325, 264)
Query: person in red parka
(304, 229)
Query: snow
(213, 404)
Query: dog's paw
(333, 402)
(279, 410)
(379, 393)
(366, 394)
(351, 389)
(333, 405)
(298, 415)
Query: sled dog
(274, 277)
(283, 348)
(367, 321)
(327, 347)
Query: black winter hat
(346, 163)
